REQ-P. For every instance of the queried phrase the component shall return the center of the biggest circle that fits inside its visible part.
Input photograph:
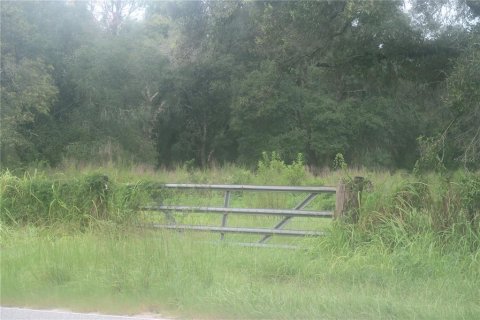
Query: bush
(41, 200)
(272, 169)
(404, 208)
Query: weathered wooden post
(340, 200)
(348, 196)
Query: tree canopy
(223, 81)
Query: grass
(129, 272)
(68, 242)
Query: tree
(27, 92)
(116, 81)
(464, 102)
(194, 120)
(211, 40)
(27, 87)
(332, 78)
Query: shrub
(272, 169)
(404, 207)
(41, 200)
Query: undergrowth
(395, 209)
(68, 239)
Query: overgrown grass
(129, 272)
(67, 241)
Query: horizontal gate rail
(222, 210)
(234, 187)
(258, 245)
(261, 231)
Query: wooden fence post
(340, 200)
(347, 202)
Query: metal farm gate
(266, 233)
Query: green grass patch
(130, 271)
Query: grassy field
(68, 243)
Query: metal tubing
(293, 233)
(248, 187)
(226, 203)
(284, 221)
(258, 245)
(274, 212)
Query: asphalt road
(32, 314)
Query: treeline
(383, 83)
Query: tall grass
(130, 272)
(67, 240)
(403, 208)
(39, 199)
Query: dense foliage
(207, 82)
